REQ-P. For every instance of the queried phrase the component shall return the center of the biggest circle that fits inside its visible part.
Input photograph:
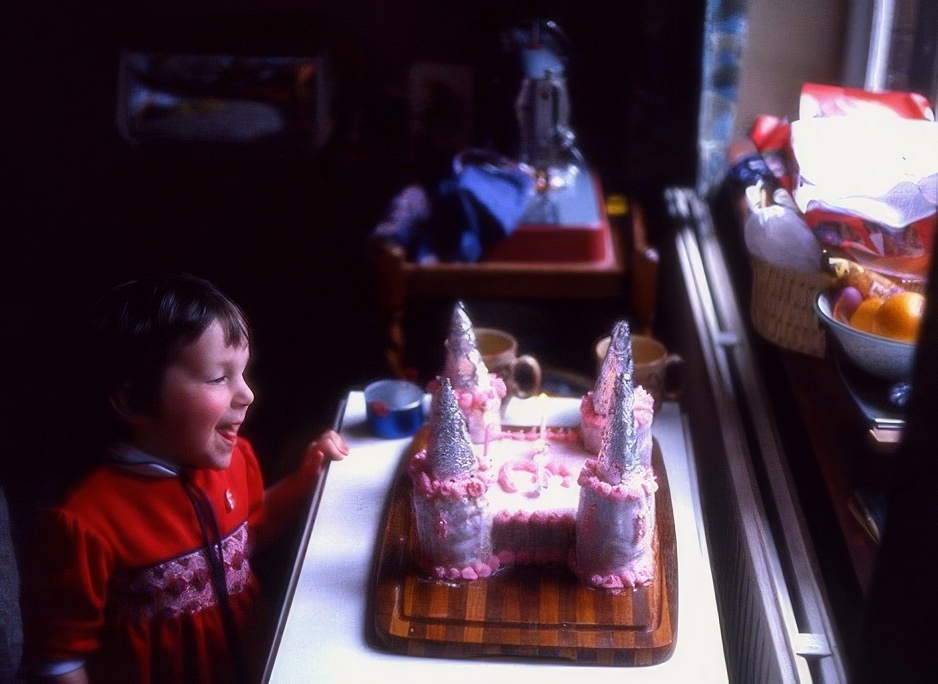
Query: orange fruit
(900, 316)
(862, 318)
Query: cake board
(524, 612)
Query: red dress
(122, 579)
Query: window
(903, 48)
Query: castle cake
(535, 496)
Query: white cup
(499, 352)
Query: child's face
(203, 401)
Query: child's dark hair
(142, 325)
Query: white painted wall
(790, 42)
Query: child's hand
(329, 444)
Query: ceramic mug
(655, 369)
(499, 351)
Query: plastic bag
(778, 235)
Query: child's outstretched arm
(284, 499)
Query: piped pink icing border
(558, 435)
(641, 574)
(475, 570)
(551, 518)
(457, 487)
(640, 485)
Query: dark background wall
(284, 233)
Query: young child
(143, 573)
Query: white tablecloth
(324, 632)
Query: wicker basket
(782, 307)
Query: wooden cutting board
(523, 612)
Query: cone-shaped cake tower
(596, 407)
(615, 524)
(478, 394)
(618, 360)
(450, 506)
(618, 454)
(449, 451)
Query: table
(324, 632)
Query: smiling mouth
(229, 433)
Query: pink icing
(643, 409)
(636, 486)
(559, 435)
(561, 470)
(509, 481)
(478, 569)
(475, 398)
(524, 518)
(641, 574)
(468, 486)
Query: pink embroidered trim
(182, 585)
